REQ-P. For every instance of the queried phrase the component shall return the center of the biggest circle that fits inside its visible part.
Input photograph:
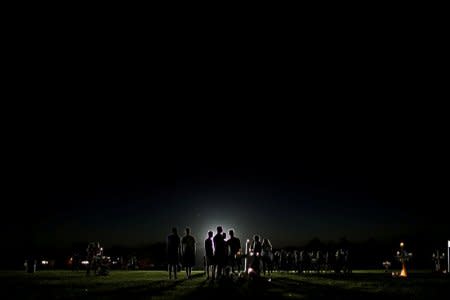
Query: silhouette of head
(174, 230)
(224, 235)
(231, 232)
(210, 233)
(256, 238)
(219, 229)
(188, 230)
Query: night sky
(126, 183)
(119, 147)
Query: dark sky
(128, 184)
(107, 138)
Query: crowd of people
(313, 261)
(224, 256)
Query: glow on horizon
(226, 226)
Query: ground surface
(155, 285)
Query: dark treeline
(369, 254)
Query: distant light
(402, 244)
(250, 270)
(249, 241)
(101, 249)
(84, 262)
(44, 262)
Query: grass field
(155, 285)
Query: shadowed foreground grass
(155, 285)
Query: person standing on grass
(267, 256)
(173, 252)
(234, 245)
(219, 252)
(209, 255)
(188, 248)
(256, 248)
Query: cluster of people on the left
(97, 262)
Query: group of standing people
(223, 256)
(312, 261)
(261, 255)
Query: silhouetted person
(256, 248)
(234, 246)
(339, 260)
(93, 250)
(188, 248)
(267, 256)
(173, 252)
(296, 255)
(283, 260)
(301, 261)
(276, 260)
(219, 251)
(347, 265)
(319, 261)
(291, 260)
(327, 261)
(209, 255)
(75, 261)
(31, 263)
